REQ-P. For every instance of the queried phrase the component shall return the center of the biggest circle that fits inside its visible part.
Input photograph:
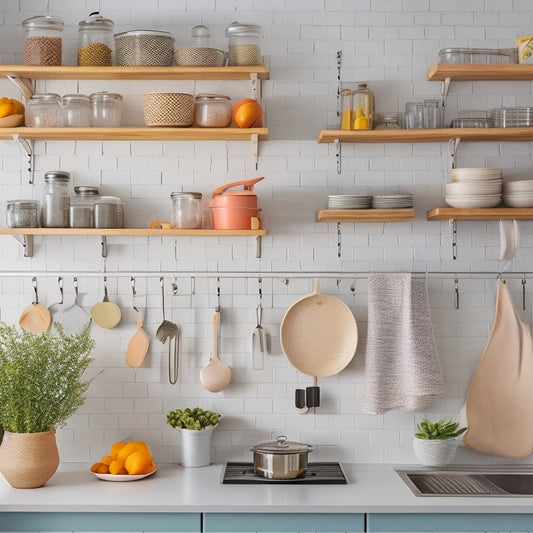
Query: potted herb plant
(196, 427)
(435, 443)
(41, 385)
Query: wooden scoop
(215, 376)
(35, 317)
(138, 345)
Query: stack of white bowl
(518, 193)
(474, 187)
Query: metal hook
(75, 283)
(338, 239)
(34, 283)
(175, 287)
(285, 281)
(218, 294)
(60, 285)
(105, 288)
(338, 283)
(133, 289)
(524, 293)
(456, 293)
(260, 289)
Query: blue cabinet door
(141, 522)
(283, 522)
(445, 522)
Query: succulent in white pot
(435, 443)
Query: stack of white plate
(518, 193)
(392, 201)
(349, 201)
(474, 187)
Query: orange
(6, 109)
(139, 463)
(117, 467)
(115, 448)
(100, 468)
(130, 447)
(106, 459)
(247, 113)
(17, 106)
(95, 467)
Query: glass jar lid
(45, 22)
(104, 96)
(44, 97)
(75, 99)
(281, 446)
(236, 28)
(86, 190)
(186, 195)
(96, 21)
(25, 204)
(56, 175)
(210, 97)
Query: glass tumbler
(414, 115)
(433, 114)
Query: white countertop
(370, 489)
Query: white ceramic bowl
(518, 186)
(482, 187)
(479, 201)
(518, 201)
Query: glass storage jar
(95, 41)
(109, 212)
(212, 110)
(76, 111)
(363, 108)
(186, 210)
(43, 111)
(387, 121)
(81, 211)
(106, 110)
(56, 199)
(43, 44)
(22, 214)
(244, 44)
(346, 109)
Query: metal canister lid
(140, 33)
(23, 203)
(210, 97)
(236, 28)
(56, 175)
(281, 446)
(45, 22)
(86, 190)
(96, 21)
(190, 195)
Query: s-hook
(456, 292)
(524, 293)
(133, 289)
(338, 239)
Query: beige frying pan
(319, 335)
(138, 345)
(106, 314)
(35, 317)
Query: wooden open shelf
(134, 232)
(134, 73)
(474, 72)
(423, 135)
(365, 215)
(135, 134)
(493, 213)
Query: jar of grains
(76, 111)
(106, 109)
(95, 38)
(212, 110)
(43, 44)
(244, 44)
(56, 199)
(81, 211)
(22, 214)
(43, 110)
(186, 210)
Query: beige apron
(499, 403)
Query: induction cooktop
(322, 473)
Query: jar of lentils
(95, 36)
(56, 199)
(43, 110)
(43, 45)
(244, 44)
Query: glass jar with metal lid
(56, 199)
(81, 211)
(22, 214)
(244, 44)
(76, 111)
(106, 110)
(186, 210)
(95, 41)
(43, 45)
(212, 110)
(43, 110)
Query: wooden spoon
(138, 345)
(215, 376)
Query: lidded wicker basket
(141, 48)
(199, 56)
(168, 109)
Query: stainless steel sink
(469, 482)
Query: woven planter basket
(168, 109)
(198, 56)
(435, 452)
(28, 460)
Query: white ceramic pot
(196, 446)
(435, 452)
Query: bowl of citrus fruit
(11, 112)
(127, 461)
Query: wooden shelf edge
(495, 213)
(67, 72)
(134, 232)
(135, 134)
(365, 215)
(429, 135)
(479, 72)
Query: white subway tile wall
(388, 44)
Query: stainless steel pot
(281, 459)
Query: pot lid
(247, 187)
(281, 446)
(96, 21)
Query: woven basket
(198, 56)
(168, 109)
(144, 48)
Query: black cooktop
(328, 473)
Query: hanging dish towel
(402, 367)
(499, 402)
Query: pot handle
(247, 184)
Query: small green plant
(195, 418)
(441, 430)
(41, 377)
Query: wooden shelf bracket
(25, 85)
(27, 146)
(445, 89)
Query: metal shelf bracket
(27, 146)
(104, 246)
(255, 148)
(27, 243)
(453, 144)
(338, 239)
(453, 230)
(258, 246)
(445, 90)
(338, 154)
(25, 85)
(339, 63)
